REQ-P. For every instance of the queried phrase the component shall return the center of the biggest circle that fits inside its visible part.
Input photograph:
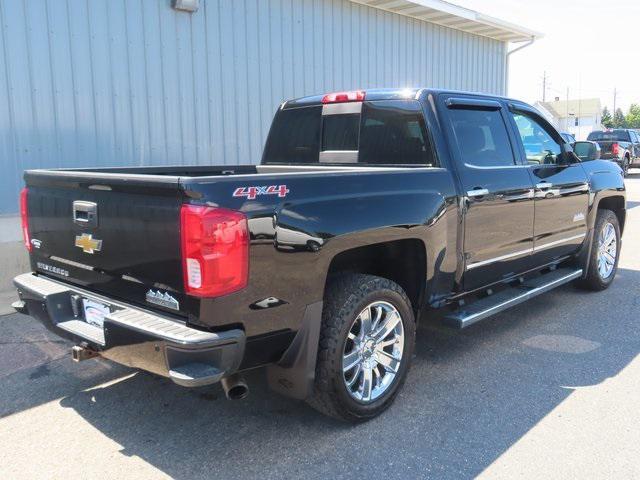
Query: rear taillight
(215, 250)
(24, 217)
(615, 148)
(341, 97)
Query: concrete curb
(6, 299)
(13, 261)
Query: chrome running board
(485, 307)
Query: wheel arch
(617, 205)
(401, 261)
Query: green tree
(632, 119)
(607, 121)
(618, 119)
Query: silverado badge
(162, 299)
(88, 244)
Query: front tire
(605, 252)
(366, 344)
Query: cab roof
(378, 94)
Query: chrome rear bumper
(132, 336)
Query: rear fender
(339, 224)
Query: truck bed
(137, 219)
(208, 170)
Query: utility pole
(566, 120)
(544, 86)
(615, 94)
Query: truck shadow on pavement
(469, 396)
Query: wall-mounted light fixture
(186, 5)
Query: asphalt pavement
(549, 389)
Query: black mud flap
(294, 374)
(582, 259)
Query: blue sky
(589, 46)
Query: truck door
(561, 187)
(497, 191)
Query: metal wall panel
(133, 82)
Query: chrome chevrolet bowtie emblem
(88, 244)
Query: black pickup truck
(368, 211)
(620, 145)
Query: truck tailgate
(605, 147)
(115, 234)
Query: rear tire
(380, 361)
(605, 252)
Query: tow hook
(80, 353)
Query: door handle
(478, 192)
(544, 185)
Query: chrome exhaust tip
(235, 387)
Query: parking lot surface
(549, 389)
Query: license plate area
(94, 312)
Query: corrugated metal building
(137, 82)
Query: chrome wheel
(373, 351)
(607, 250)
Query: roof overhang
(453, 16)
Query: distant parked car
(570, 138)
(620, 145)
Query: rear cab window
(609, 136)
(294, 136)
(381, 132)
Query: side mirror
(587, 151)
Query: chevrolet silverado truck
(620, 145)
(369, 210)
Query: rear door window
(482, 137)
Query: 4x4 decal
(252, 192)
